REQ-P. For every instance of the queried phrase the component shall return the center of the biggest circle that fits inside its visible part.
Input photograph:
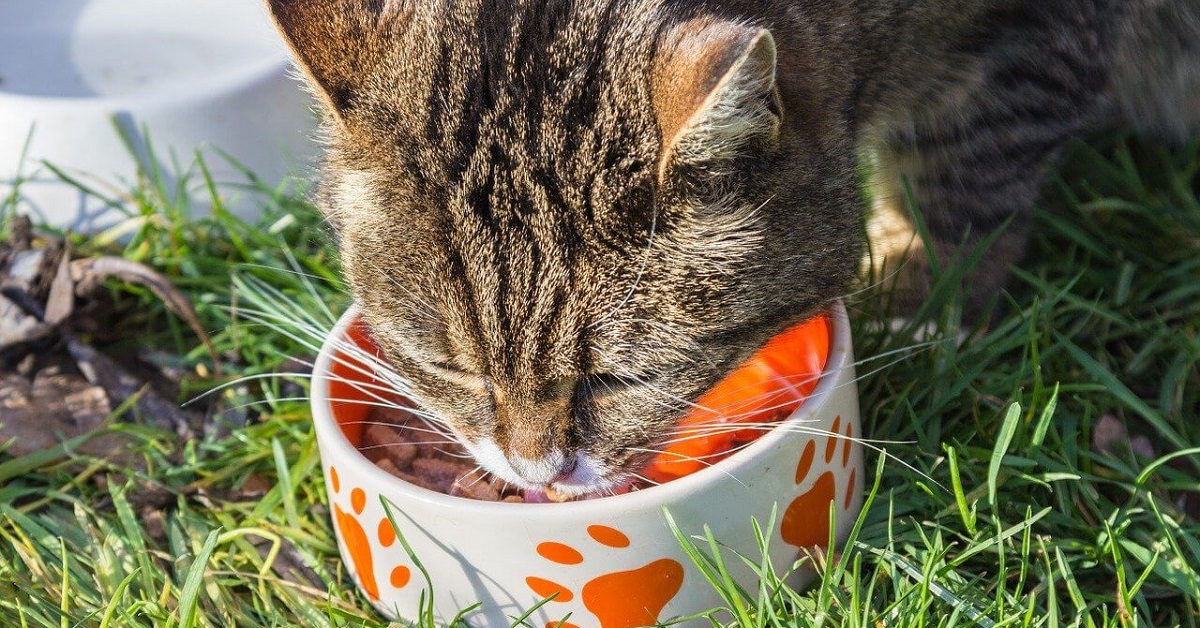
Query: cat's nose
(550, 468)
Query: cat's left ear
(337, 43)
(715, 96)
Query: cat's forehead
(562, 87)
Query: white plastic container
(614, 562)
(76, 75)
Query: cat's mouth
(582, 476)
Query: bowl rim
(332, 440)
(203, 90)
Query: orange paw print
(354, 535)
(806, 521)
(623, 599)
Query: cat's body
(564, 220)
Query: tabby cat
(563, 219)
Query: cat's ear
(715, 96)
(335, 42)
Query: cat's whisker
(240, 382)
(684, 404)
(264, 294)
(479, 478)
(640, 274)
(424, 443)
(806, 378)
(792, 428)
(720, 455)
(282, 315)
(685, 457)
(312, 292)
(752, 401)
(456, 455)
(252, 320)
(356, 352)
(867, 443)
(881, 282)
(312, 336)
(641, 478)
(276, 306)
(297, 273)
(425, 417)
(427, 309)
(398, 386)
(313, 332)
(283, 376)
(407, 427)
(669, 396)
(357, 402)
(786, 427)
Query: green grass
(1019, 522)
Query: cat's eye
(601, 384)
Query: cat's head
(564, 221)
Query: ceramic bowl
(613, 562)
(101, 87)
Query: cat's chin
(576, 486)
(559, 492)
(588, 477)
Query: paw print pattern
(623, 599)
(358, 544)
(805, 523)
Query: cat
(564, 220)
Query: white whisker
(640, 274)
(428, 311)
(686, 457)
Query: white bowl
(615, 561)
(207, 74)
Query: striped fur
(566, 218)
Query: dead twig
(87, 273)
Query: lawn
(1051, 461)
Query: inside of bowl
(353, 386)
(766, 389)
(749, 402)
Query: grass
(1020, 522)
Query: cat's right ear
(715, 96)
(335, 43)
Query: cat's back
(1157, 69)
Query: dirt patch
(57, 380)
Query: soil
(63, 366)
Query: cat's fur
(565, 219)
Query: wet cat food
(411, 450)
